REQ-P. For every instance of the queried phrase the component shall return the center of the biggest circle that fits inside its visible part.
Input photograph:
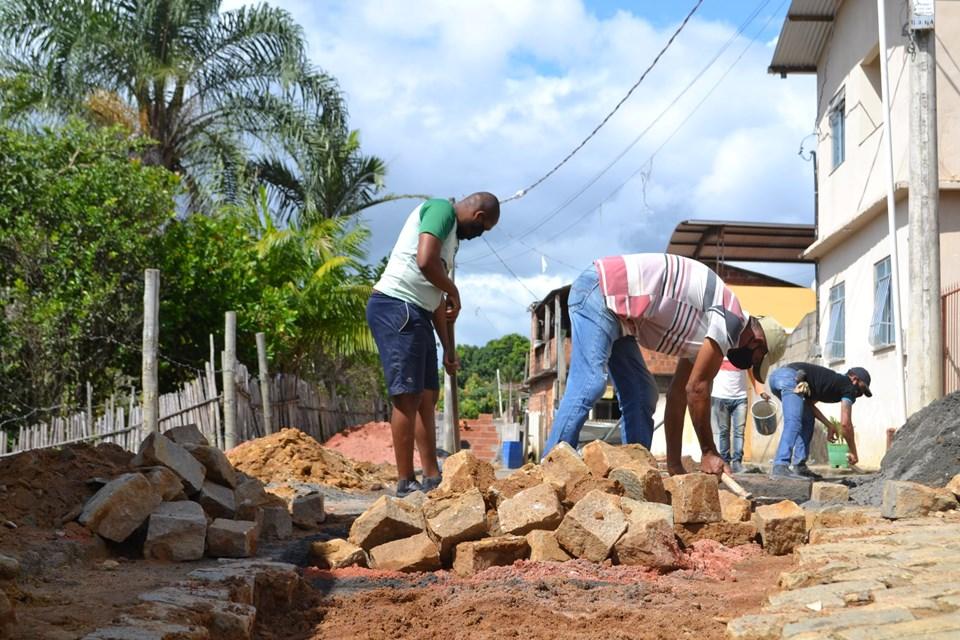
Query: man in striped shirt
(671, 305)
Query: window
(881, 324)
(837, 128)
(835, 337)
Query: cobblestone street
(865, 578)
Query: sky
(489, 95)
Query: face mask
(741, 357)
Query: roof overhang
(711, 240)
(805, 32)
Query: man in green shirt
(415, 297)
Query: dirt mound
(926, 450)
(370, 442)
(39, 488)
(293, 455)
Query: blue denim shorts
(405, 339)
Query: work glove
(803, 387)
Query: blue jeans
(726, 413)
(797, 418)
(599, 346)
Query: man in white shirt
(728, 409)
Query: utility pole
(924, 331)
(499, 394)
(229, 385)
(264, 384)
(151, 338)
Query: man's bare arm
(705, 367)
(673, 415)
(431, 266)
(846, 423)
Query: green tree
(79, 221)
(477, 380)
(206, 87)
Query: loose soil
(370, 442)
(926, 449)
(292, 455)
(575, 600)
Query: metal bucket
(764, 414)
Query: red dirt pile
(371, 442)
(41, 488)
(292, 455)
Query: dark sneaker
(804, 470)
(737, 467)
(406, 487)
(430, 483)
(783, 472)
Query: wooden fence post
(151, 322)
(264, 383)
(229, 384)
(89, 426)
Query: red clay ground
(575, 601)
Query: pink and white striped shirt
(670, 303)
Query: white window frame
(836, 344)
(882, 326)
(837, 119)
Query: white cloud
(468, 95)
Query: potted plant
(837, 449)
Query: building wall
(850, 62)
(787, 304)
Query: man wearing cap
(671, 305)
(800, 386)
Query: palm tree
(208, 88)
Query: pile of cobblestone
(613, 504)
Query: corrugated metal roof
(803, 36)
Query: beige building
(838, 41)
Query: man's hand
(832, 434)
(852, 458)
(764, 395)
(711, 462)
(453, 305)
(451, 362)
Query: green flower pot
(837, 453)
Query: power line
(646, 167)
(507, 267)
(726, 45)
(522, 192)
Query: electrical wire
(522, 192)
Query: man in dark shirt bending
(800, 386)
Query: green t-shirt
(402, 279)
(437, 218)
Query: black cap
(864, 376)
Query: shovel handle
(735, 486)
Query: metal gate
(950, 306)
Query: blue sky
(465, 96)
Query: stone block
(903, 499)
(463, 471)
(527, 476)
(158, 450)
(827, 492)
(416, 499)
(544, 547)
(695, 498)
(307, 508)
(733, 508)
(232, 538)
(186, 434)
(455, 518)
(782, 527)
(275, 522)
(386, 520)
(590, 529)
(165, 482)
(763, 626)
(829, 596)
(563, 468)
(471, 557)
(218, 501)
(176, 531)
(415, 553)
(649, 540)
(729, 534)
(9, 567)
(534, 508)
(336, 554)
(213, 606)
(834, 622)
(218, 467)
(954, 485)
(120, 506)
(575, 492)
(250, 496)
(145, 629)
(602, 457)
(640, 482)
(838, 516)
